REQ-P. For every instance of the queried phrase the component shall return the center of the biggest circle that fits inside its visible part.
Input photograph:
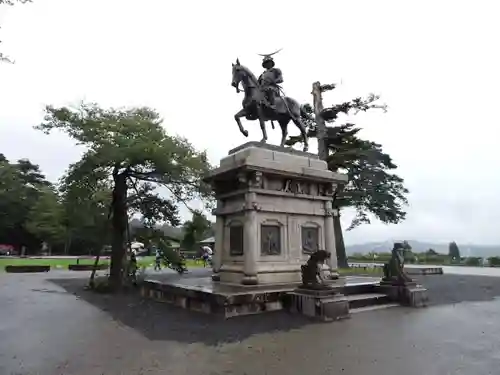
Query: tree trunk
(67, 243)
(320, 122)
(339, 242)
(119, 226)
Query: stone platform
(324, 305)
(203, 295)
(407, 294)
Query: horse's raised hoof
(245, 133)
(306, 148)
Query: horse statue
(255, 107)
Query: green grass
(148, 261)
(44, 262)
(63, 263)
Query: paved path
(46, 329)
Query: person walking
(206, 255)
(158, 260)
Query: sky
(435, 64)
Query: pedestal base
(272, 204)
(249, 280)
(407, 294)
(324, 305)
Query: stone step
(372, 308)
(367, 299)
(360, 288)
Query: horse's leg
(284, 130)
(237, 117)
(262, 124)
(298, 122)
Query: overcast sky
(435, 63)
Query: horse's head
(237, 74)
(242, 74)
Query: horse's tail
(304, 114)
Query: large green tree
(373, 189)
(21, 186)
(85, 200)
(11, 197)
(46, 218)
(196, 230)
(149, 236)
(130, 150)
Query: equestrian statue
(263, 101)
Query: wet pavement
(50, 326)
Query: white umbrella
(208, 250)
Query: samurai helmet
(268, 60)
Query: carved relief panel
(310, 239)
(236, 239)
(270, 238)
(296, 187)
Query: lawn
(148, 261)
(62, 263)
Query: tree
(11, 197)
(195, 230)
(21, 185)
(431, 252)
(453, 251)
(4, 58)
(130, 150)
(473, 261)
(45, 218)
(372, 187)
(494, 261)
(149, 236)
(85, 202)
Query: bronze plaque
(310, 239)
(270, 240)
(236, 240)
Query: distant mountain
(421, 246)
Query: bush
(473, 261)
(428, 258)
(494, 261)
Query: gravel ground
(450, 289)
(49, 326)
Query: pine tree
(372, 186)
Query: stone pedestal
(407, 294)
(324, 305)
(274, 208)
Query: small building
(210, 242)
